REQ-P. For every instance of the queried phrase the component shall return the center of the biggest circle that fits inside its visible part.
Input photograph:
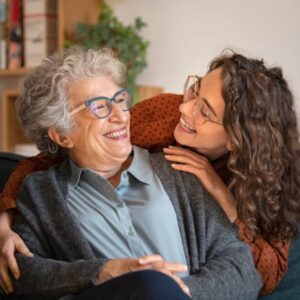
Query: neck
(115, 179)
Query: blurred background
(185, 35)
(174, 38)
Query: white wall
(186, 34)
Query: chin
(125, 151)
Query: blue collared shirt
(135, 219)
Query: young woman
(240, 126)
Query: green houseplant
(126, 42)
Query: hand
(117, 267)
(155, 262)
(198, 165)
(10, 242)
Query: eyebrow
(210, 107)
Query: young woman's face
(200, 125)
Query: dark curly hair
(261, 121)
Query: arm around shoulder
(27, 166)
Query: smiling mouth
(186, 126)
(116, 135)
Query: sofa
(289, 287)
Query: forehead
(87, 88)
(212, 82)
(211, 89)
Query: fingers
(163, 265)
(10, 244)
(22, 248)
(187, 157)
(172, 150)
(13, 267)
(5, 281)
(185, 160)
(149, 259)
(8, 253)
(181, 284)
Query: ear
(229, 146)
(59, 139)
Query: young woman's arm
(10, 242)
(270, 259)
(10, 192)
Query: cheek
(212, 136)
(86, 133)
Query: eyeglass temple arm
(79, 108)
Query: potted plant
(125, 41)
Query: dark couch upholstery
(289, 287)
(7, 163)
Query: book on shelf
(28, 32)
(3, 33)
(40, 30)
(15, 32)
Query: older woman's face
(209, 138)
(99, 144)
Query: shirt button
(120, 205)
(131, 233)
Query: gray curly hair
(43, 102)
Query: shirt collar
(76, 172)
(140, 168)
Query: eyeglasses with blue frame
(101, 106)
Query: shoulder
(45, 182)
(181, 185)
(156, 107)
(187, 188)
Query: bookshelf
(69, 13)
(14, 72)
(11, 134)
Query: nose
(187, 108)
(117, 114)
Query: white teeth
(116, 133)
(187, 126)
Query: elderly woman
(107, 209)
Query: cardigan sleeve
(10, 192)
(270, 259)
(56, 269)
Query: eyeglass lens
(102, 106)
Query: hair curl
(44, 103)
(261, 122)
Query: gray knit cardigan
(220, 265)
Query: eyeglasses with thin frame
(191, 92)
(101, 107)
